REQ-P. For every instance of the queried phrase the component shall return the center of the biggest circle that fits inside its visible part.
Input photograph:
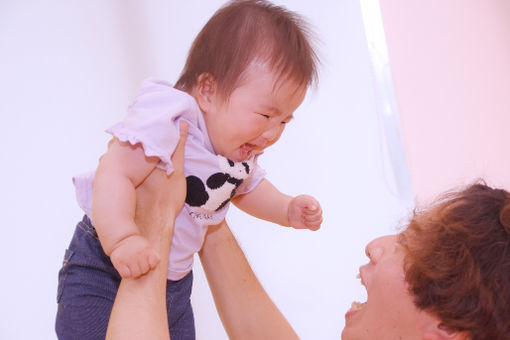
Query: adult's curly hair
(457, 261)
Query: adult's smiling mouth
(356, 306)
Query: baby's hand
(305, 213)
(134, 256)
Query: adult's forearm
(247, 312)
(140, 309)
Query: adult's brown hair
(457, 261)
(244, 31)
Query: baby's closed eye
(263, 115)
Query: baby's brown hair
(457, 261)
(246, 30)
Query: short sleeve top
(212, 180)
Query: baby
(246, 73)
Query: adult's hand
(160, 196)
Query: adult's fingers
(178, 155)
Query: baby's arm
(268, 203)
(120, 171)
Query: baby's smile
(247, 150)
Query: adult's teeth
(357, 305)
(360, 278)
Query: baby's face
(255, 115)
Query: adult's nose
(376, 248)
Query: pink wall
(450, 64)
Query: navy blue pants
(88, 283)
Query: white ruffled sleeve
(152, 120)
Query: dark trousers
(88, 283)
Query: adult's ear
(206, 92)
(439, 331)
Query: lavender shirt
(212, 180)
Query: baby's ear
(206, 92)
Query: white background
(69, 69)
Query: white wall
(68, 71)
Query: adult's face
(389, 312)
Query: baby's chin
(237, 158)
(241, 154)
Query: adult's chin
(353, 329)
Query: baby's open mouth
(246, 151)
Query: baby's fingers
(315, 225)
(139, 268)
(314, 221)
(153, 260)
(121, 265)
(312, 214)
(124, 271)
(146, 262)
(317, 219)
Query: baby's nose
(272, 134)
